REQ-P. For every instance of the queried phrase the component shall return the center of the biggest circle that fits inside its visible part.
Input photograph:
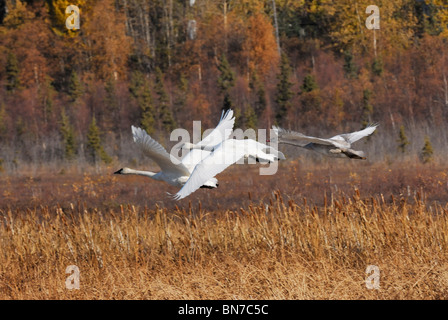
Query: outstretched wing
(218, 135)
(224, 155)
(297, 138)
(222, 131)
(156, 152)
(193, 157)
(355, 136)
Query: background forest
(309, 65)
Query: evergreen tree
(75, 87)
(367, 108)
(427, 151)
(93, 140)
(283, 92)
(46, 94)
(257, 87)
(310, 95)
(136, 83)
(238, 119)
(139, 89)
(427, 14)
(12, 73)
(227, 102)
(226, 81)
(144, 100)
(165, 114)
(182, 93)
(250, 118)
(68, 136)
(111, 96)
(309, 83)
(377, 66)
(112, 106)
(402, 140)
(350, 68)
(260, 104)
(94, 146)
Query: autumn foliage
(312, 66)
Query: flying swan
(224, 155)
(338, 146)
(178, 174)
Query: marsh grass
(276, 249)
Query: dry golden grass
(275, 250)
(245, 240)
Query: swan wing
(222, 131)
(154, 150)
(224, 155)
(193, 157)
(218, 135)
(355, 136)
(297, 138)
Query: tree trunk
(225, 24)
(276, 27)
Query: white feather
(337, 146)
(224, 155)
(178, 174)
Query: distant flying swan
(178, 174)
(224, 155)
(338, 146)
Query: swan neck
(142, 173)
(191, 146)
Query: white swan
(337, 146)
(178, 174)
(224, 155)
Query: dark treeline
(307, 65)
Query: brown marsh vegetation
(300, 234)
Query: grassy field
(308, 232)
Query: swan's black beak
(119, 171)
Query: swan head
(280, 156)
(191, 146)
(123, 171)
